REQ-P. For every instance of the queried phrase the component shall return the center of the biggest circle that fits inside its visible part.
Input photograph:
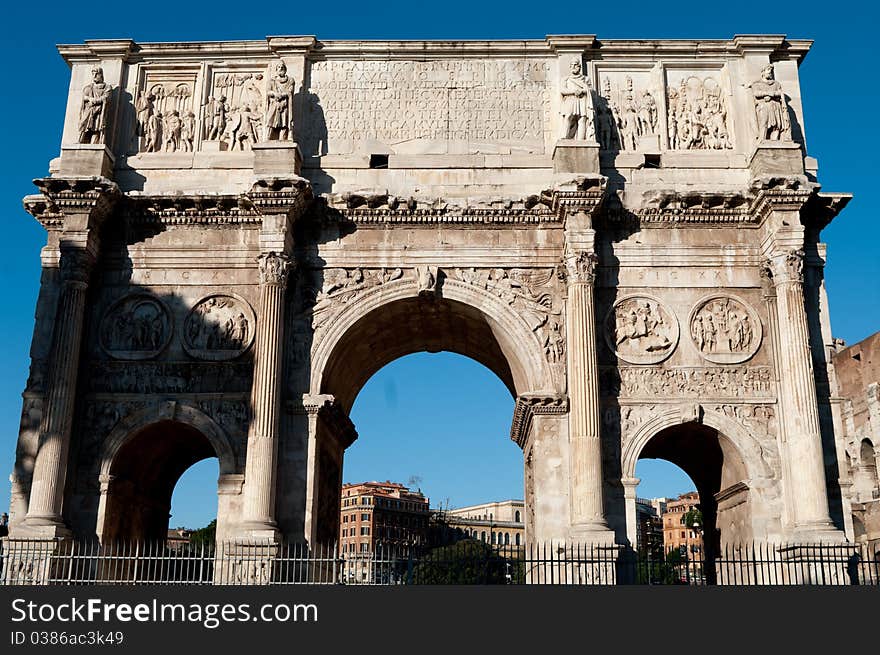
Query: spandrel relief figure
(94, 110)
(577, 105)
(771, 109)
(279, 105)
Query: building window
(516, 517)
(483, 536)
(365, 530)
(506, 538)
(516, 538)
(365, 517)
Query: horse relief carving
(640, 330)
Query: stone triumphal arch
(240, 234)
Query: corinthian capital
(273, 268)
(581, 266)
(76, 265)
(786, 267)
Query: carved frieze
(725, 330)
(169, 377)
(219, 327)
(137, 326)
(641, 330)
(697, 112)
(678, 382)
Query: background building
(676, 534)
(375, 513)
(858, 377)
(649, 526)
(499, 523)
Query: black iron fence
(467, 562)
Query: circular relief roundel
(219, 327)
(641, 330)
(725, 330)
(136, 326)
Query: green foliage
(466, 562)
(204, 536)
(694, 519)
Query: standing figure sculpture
(94, 110)
(279, 106)
(771, 109)
(577, 105)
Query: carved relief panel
(165, 107)
(641, 330)
(219, 327)
(137, 326)
(627, 111)
(234, 108)
(698, 110)
(725, 330)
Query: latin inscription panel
(442, 106)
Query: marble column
(587, 503)
(798, 397)
(262, 449)
(50, 467)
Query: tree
(694, 519)
(204, 536)
(466, 562)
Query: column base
(594, 533)
(43, 526)
(818, 533)
(262, 531)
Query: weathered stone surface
(621, 230)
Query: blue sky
(839, 86)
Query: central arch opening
(443, 393)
